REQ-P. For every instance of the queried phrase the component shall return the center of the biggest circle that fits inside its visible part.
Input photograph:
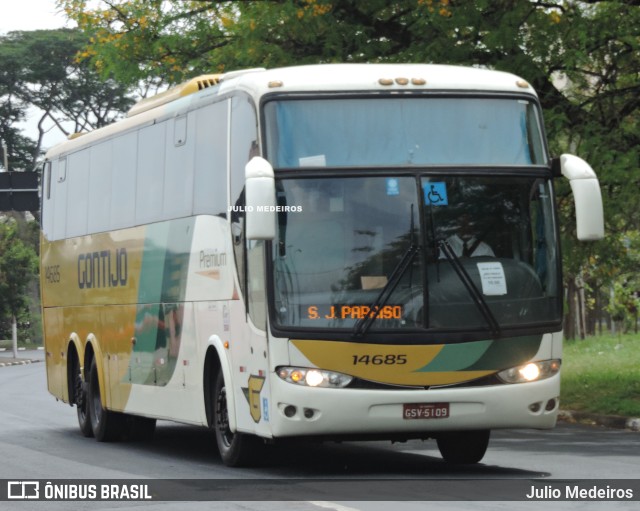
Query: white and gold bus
(331, 251)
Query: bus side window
(244, 136)
(210, 181)
(59, 212)
(256, 283)
(47, 215)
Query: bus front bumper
(303, 411)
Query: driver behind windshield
(464, 242)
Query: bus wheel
(236, 449)
(106, 425)
(80, 388)
(463, 447)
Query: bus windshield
(340, 242)
(405, 130)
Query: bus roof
(310, 78)
(367, 77)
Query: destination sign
(352, 312)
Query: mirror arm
(556, 167)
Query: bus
(276, 253)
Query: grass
(602, 375)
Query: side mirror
(586, 195)
(260, 200)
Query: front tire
(463, 447)
(105, 424)
(236, 449)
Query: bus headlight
(533, 371)
(314, 377)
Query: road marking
(331, 505)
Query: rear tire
(105, 424)
(463, 447)
(236, 449)
(80, 398)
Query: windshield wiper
(364, 323)
(474, 292)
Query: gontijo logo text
(107, 268)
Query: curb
(595, 419)
(18, 362)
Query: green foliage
(39, 69)
(20, 149)
(602, 375)
(18, 268)
(624, 304)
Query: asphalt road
(39, 439)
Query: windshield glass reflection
(345, 239)
(334, 257)
(394, 131)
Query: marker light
(296, 376)
(313, 377)
(533, 371)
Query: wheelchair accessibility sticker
(393, 186)
(435, 194)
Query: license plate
(425, 410)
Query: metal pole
(14, 321)
(5, 157)
(14, 332)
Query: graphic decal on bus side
(441, 364)
(160, 317)
(210, 263)
(158, 332)
(93, 270)
(252, 393)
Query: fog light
(290, 410)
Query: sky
(32, 15)
(29, 15)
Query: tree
(582, 57)
(39, 69)
(18, 266)
(20, 149)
